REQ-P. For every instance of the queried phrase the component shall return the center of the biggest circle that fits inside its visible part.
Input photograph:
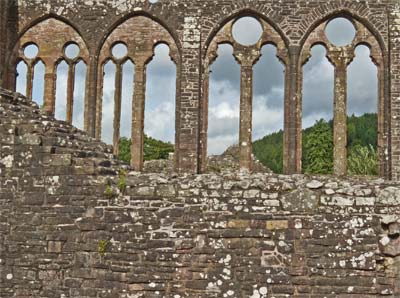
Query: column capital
(341, 57)
(247, 57)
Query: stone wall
(193, 28)
(395, 83)
(3, 38)
(74, 222)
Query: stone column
(91, 96)
(340, 59)
(137, 154)
(292, 122)
(70, 92)
(189, 114)
(29, 80)
(247, 57)
(246, 117)
(50, 78)
(117, 107)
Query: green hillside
(318, 147)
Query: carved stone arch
(246, 56)
(51, 35)
(140, 34)
(316, 19)
(227, 23)
(341, 57)
(129, 16)
(52, 16)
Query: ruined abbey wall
(192, 34)
(76, 222)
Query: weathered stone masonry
(74, 224)
(192, 30)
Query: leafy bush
(318, 149)
(153, 149)
(363, 160)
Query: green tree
(269, 151)
(153, 149)
(318, 149)
(363, 160)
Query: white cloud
(107, 128)
(61, 91)
(79, 95)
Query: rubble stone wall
(74, 222)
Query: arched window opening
(21, 74)
(108, 107)
(56, 69)
(160, 104)
(79, 95)
(61, 91)
(359, 105)
(362, 111)
(268, 109)
(38, 83)
(318, 87)
(224, 102)
(227, 104)
(139, 110)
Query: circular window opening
(72, 51)
(340, 32)
(119, 50)
(31, 51)
(247, 31)
(153, 1)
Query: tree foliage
(362, 136)
(269, 151)
(153, 149)
(318, 149)
(363, 160)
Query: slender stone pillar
(246, 116)
(340, 121)
(137, 155)
(70, 92)
(50, 78)
(292, 122)
(340, 58)
(117, 108)
(246, 57)
(29, 81)
(91, 94)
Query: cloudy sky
(224, 98)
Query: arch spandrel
(363, 36)
(141, 35)
(51, 36)
(225, 36)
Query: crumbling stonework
(76, 223)
(193, 30)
